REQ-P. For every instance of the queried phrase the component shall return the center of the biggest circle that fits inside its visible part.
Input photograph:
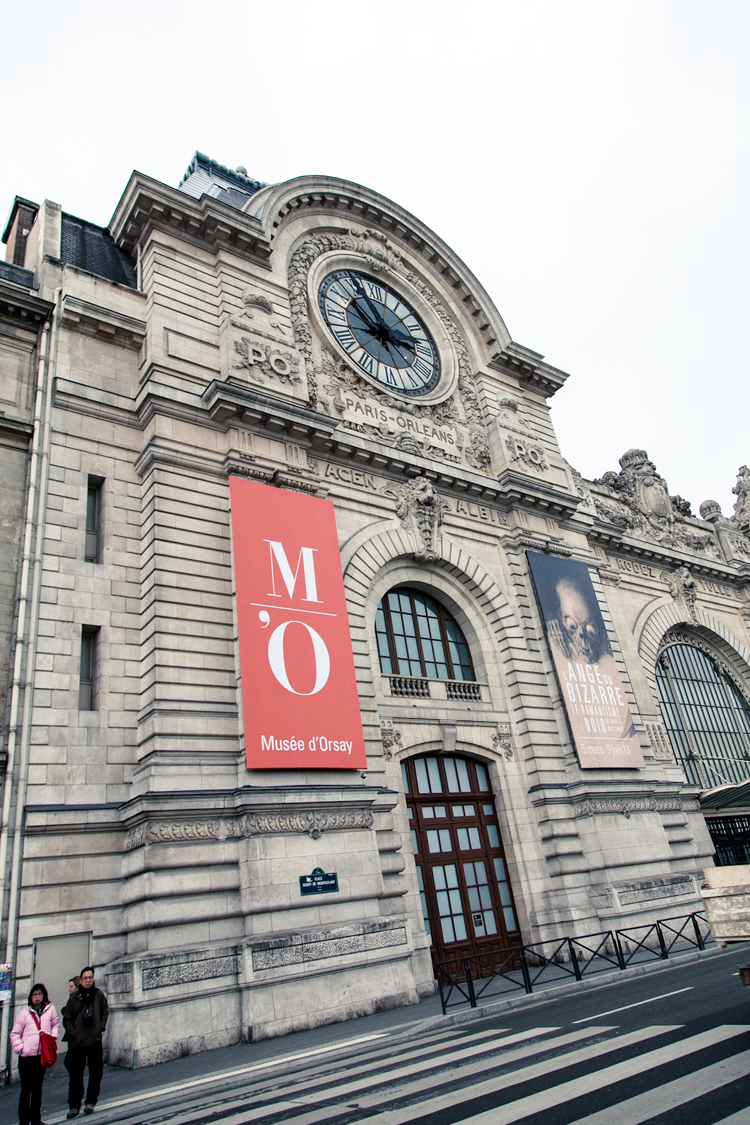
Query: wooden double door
(467, 900)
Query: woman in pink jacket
(39, 1016)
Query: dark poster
(598, 712)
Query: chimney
(20, 221)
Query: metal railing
(523, 967)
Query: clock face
(381, 335)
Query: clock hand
(406, 341)
(373, 311)
(363, 316)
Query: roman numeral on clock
(346, 338)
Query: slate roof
(207, 177)
(18, 275)
(92, 248)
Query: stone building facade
(189, 342)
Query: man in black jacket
(84, 1019)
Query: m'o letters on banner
(299, 690)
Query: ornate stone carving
(682, 587)
(626, 806)
(511, 417)
(478, 451)
(377, 251)
(253, 301)
(380, 255)
(581, 486)
(681, 506)
(347, 941)
(266, 362)
(741, 490)
(659, 742)
(531, 453)
(609, 577)
(417, 502)
(501, 741)
(390, 737)
(193, 968)
(311, 821)
(735, 535)
(135, 838)
(638, 500)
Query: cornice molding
(227, 403)
(95, 320)
(147, 204)
(23, 307)
(528, 366)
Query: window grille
(706, 715)
(417, 637)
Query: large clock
(379, 332)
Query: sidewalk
(119, 1084)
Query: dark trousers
(75, 1064)
(31, 1072)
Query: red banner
(299, 689)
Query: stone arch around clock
(276, 206)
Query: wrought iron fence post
(574, 959)
(440, 987)
(618, 949)
(469, 983)
(698, 935)
(525, 970)
(662, 943)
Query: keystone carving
(418, 501)
(682, 587)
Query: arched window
(706, 715)
(418, 637)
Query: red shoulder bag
(48, 1045)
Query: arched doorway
(467, 902)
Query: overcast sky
(588, 160)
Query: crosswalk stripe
(344, 1089)
(488, 1086)
(449, 1100)
(409, 1090)
(740, 1118)
(586, 1084)
(427, 1046)
(644, 1106)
